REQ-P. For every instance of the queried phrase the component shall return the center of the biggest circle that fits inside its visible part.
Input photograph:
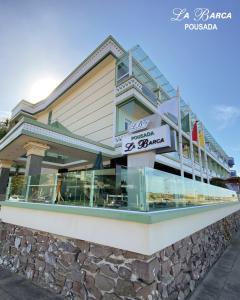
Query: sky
(49, 38)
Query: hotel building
(92, 108)
(91, 222)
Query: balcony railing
(127, 67)
(142, 189)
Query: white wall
(133, 236)
(87, 108)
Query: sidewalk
(223, 280)
(15, 287)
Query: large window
(128, 112)
(186, 148)
(122, 68)
(195, 154)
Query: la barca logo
(201, 17)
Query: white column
(180, 134)
(205, 156)
(191, 146)
(200, 159)
(130, 71)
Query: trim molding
(123, 215)
(32, 128)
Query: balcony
(130, 74)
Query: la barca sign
(146, 140)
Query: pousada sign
(146, 140)
(200, 18)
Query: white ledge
(123, 234)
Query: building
(55, 228)
(90, 111)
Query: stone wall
(81, 270)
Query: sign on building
(146, 140)
(138, 125)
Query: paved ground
(15, 287)
(223, 280)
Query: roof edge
(108, 46)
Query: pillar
(137, 162)
(35, 153)
(5, 166)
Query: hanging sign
(147, 140)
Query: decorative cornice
(131, 82)
(34, 148)
(5, 164)
(109, 46)
(49, 135)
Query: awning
(65, 147)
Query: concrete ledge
(144, 233)
(123, 215)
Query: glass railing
(141, 189)
(40, 188)
(187, 160)
(17, 186)
(165, 190)
(149, 86)
(93, 188)
(174, 154)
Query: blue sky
(50, 38)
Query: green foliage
(4, 127)
(17, 185)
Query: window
(203, 159)
(129, 112)
(186, 148)
(195, 154)
(122, 68)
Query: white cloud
(226, 115)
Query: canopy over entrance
(64, 149)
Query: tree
(4, 127)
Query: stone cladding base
(78, 269)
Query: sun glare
(42, 88)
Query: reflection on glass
(186, 148)
(195, 154)
(166, 190)
(141, 189)
(128, 112)
(122, 69)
